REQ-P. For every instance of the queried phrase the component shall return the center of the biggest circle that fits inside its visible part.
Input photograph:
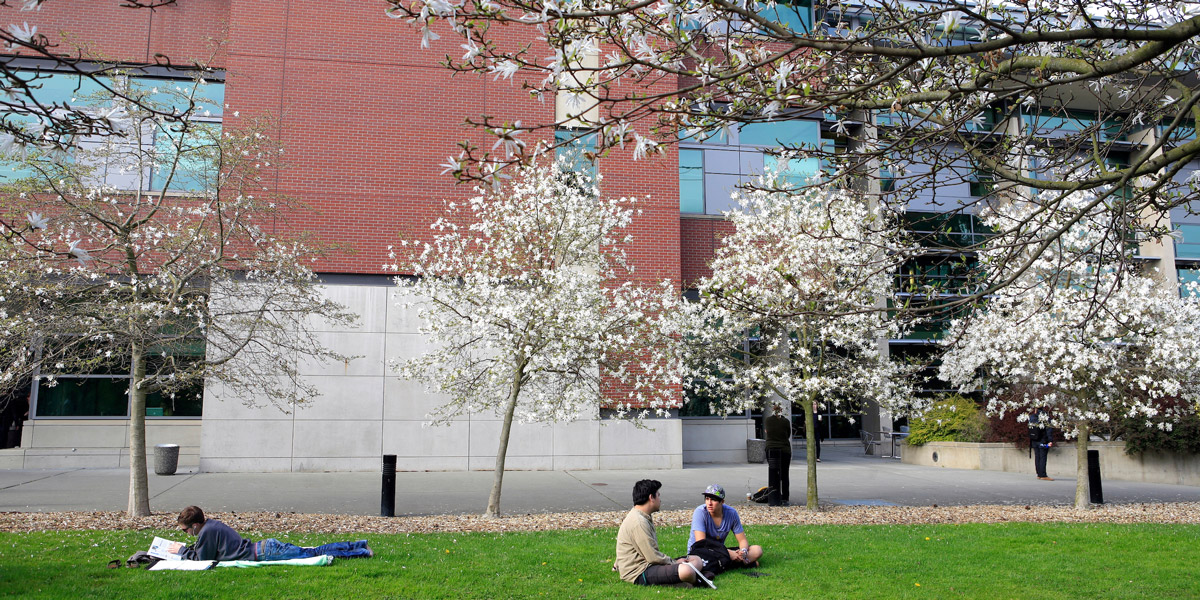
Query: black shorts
(659, 575)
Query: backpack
(141, 559)
(761, 495)
(713, 553)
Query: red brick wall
(366, 116)
(699, 238)
(186, 32)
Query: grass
(1015, 560)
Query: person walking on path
(218, 541)
(779, 455)
(638, 559)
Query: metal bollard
(387, 496)
(1097, 494)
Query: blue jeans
(273, 549)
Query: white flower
(949, 22)
(643, 146)
(9, 144)
(37, 221)
(453, 165)
(504, 69)
(427, 35)
(80, 254)
(23, 33)
(472, 49)
(507, 138)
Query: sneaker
(1046, 478)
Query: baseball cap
(715, 491)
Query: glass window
(940, 230)
(578, 149)
(204, 100)
(1187, 245)
(1187, 275)
(1068, 121)
(708, 174)
(788, 134)
(83, 397)
(795, 15)
(186, 159)
(691, 181)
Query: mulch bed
(752, 514)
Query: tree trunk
(493, 507)
(810, 446)
(139, 488)
(1083, 491)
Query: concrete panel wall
(716, 440)
(1061, 462)
(90, 443)
(365, 411)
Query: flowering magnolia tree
(533, 311)
(1039, 95)
(174, 287)
(1082, 332)
(790, 309)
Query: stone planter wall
(1114, 463)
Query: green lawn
(1016, 560)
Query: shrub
(1184, 437)
(1008, 430)
(954, 419)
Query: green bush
(954, 419)
(1184, 437)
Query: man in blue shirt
(714, 520)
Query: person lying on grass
(714, 520)
(218, 541)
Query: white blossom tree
(1038, 95)
(1082, 332)
(150, 252)
(803, 275)
(534, 312)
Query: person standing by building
(1041, 439)
(779, 455)
(638, 558)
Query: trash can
(166, 459)
(756, 450)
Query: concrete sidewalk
(845, 476)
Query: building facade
(367, 117)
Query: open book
(161, 548)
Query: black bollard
(387, 496)
(1097, 495)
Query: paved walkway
(845, 476)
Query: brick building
(367, 117)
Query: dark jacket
(218, 541)
(778, 432)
